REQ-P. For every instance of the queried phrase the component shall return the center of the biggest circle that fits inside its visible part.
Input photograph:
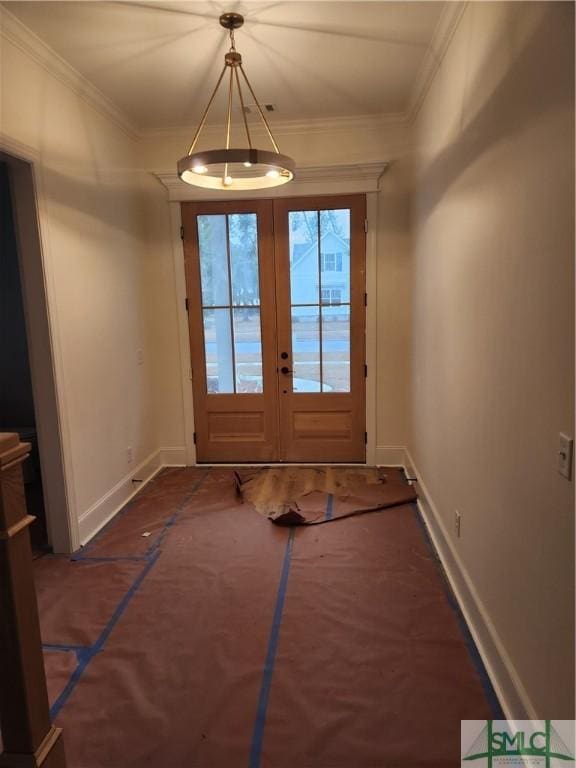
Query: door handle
(285, 370)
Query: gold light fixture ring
(235, 168)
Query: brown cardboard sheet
(312, 495)
(240, 644)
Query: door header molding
(312, 180)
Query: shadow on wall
(545, 66)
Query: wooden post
(29, 739)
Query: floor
(194, 633)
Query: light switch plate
(565, 451)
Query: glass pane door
(319, 243)
(228, 248)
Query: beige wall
(102, 269)
(348, 143)
(493, 325)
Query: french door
(276, 315)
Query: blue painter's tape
(258, 734)
(329, 506)
(62, 647)
(110, 559)
(489, 691)
(83, 554)
(85, 655)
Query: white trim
(47, 367)
(371, 323)
(506, 681)
(19, 35)
(183, 333)
(173, 456)
(447, 25)
(338, 124)
(309, 181)
(108, 505)
(390, 456)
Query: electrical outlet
(140, 357)
(457, 523)
(565, 451)
(129, 456)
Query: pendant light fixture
(232, 168)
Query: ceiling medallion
(232, 168)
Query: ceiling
(159, 61)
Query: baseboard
(504, 678)
(390, 455)
(108, 505)
(173, 456)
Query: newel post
(29, 739)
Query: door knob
(285, 370)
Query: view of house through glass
(228, 245)
(319, 243)
(320, 300)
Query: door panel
(320, 284)
(229, 261)
(277, 324)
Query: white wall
(493, 329)
(100, 267)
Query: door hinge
(365, 371)
(186, 304)
(366, 226)
(194, 438)
(365, 299)
(182, 233)
(365, 438)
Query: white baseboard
(173, 456)
(503, 676)
(108, 505)
(390, 455)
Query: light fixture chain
(229, 115)
(262, 115)
(243, 108)
(205, 115)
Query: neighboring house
(324, 280)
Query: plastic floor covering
(219, 640)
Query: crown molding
(18, 34)
(311, 180)
(445, 29)
(287, 127)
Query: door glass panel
(218, 349)
(320, 290)
(228, 248)
(304, 278)
(213, 260)
(335, 255)
(248, 350)
(244, 259)
(336, 349)
(306, 349)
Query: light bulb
(247, 164)
(227, 181)
(273, 174)
(200, 169)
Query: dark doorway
(16, 395)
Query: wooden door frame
(371, 325)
